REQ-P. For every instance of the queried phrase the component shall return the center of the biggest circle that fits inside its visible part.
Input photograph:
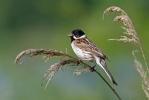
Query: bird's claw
(79, 61)
(92, 68)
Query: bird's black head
(77, 34)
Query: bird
(86, 50)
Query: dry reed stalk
(143, 74)
(130, 35)
(128, 27)
(67, 60)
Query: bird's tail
(101, 62)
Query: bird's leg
(79, 61)
(93, 68)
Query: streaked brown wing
(87, 45)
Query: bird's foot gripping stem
(93, 68)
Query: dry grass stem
(129, 28)
(66, 60)
(34, 52)
(114, 9)
(49, 54)
(55, 67)
(130, 32)
(143, 74)
(78, 72)
(130, 35)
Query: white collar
(83, 36)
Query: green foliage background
(45, 24)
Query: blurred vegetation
(45, 24)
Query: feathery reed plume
(78, 72)
(66, 60)
(143, 74)
(130, 35)
(129, 29)
(55, 67)
(33, 52)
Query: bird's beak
(70, 35)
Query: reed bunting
(86, 50)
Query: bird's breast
(81, 53)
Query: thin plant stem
(108, 85)
(55, 67)
(119, 98)
(143, 56)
